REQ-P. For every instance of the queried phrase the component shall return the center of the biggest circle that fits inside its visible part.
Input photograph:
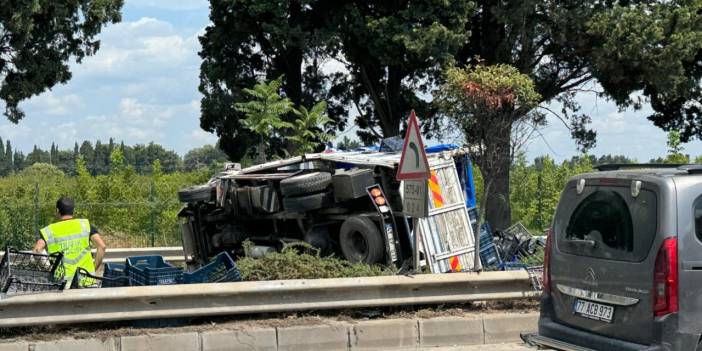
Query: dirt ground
(162, 326)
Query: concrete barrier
(386, 334)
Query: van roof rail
(691, 169)
(620, 166)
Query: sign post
(414, 171)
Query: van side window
(603, 216)
(698, 219)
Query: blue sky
(141, 86)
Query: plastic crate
(221, 269)
(24, 272)
(485, 235)
(84, 279)
(489, 257)
(115, 275)
(152, 270)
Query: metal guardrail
(172, 254)
(175, 301)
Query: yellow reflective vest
(72, 237)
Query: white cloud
(178, 5)
(53, 104)
(146, 47)
(15, 131)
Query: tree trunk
(495, 168)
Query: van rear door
(603, 259)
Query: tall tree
(394, 51)
(9, 162)
(38, 38)
(485, 101)
(651, 47)
(249, 41)
(3, 162)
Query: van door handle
(692, 265)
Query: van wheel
(309, 183)
(361, 241)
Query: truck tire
(309, 183)
(361, 241)
(308, 202)
(196, 193)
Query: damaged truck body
(347, 204)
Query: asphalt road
(500, 347)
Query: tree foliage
(308, 129)
(121, 203)
(390, 53)
(675, 150)
(486, 102)
(98, 158)
(206, 156)
(263, 113)
(39, 37)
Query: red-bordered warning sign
(413, 163)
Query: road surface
(501, 347)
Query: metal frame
(432, 240)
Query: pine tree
(3, 170)
(18, 161)
(9, 164)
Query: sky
(141, 86)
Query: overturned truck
(344, 203)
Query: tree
(308, 129)
(347, 144)
(485, 102)
(675, 150)
(203, 157)
(39, 37)
(9, 162)
(249, 41)
(390, 52)
(394, 51)
(264, 112)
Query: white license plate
(593, 310)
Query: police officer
(72, 236)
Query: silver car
(623, 267)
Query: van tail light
(546, 280)
(665, 279)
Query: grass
(300, 261)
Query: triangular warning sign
(413, 163)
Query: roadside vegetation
(303, 262)
(134, 209)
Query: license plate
(592, 310)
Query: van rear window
(607, 222)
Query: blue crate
(152, 270)
(221, 269)
(489, 257)
(485, 235)
(115, 275)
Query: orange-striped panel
(455, 264)
(435, 190)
